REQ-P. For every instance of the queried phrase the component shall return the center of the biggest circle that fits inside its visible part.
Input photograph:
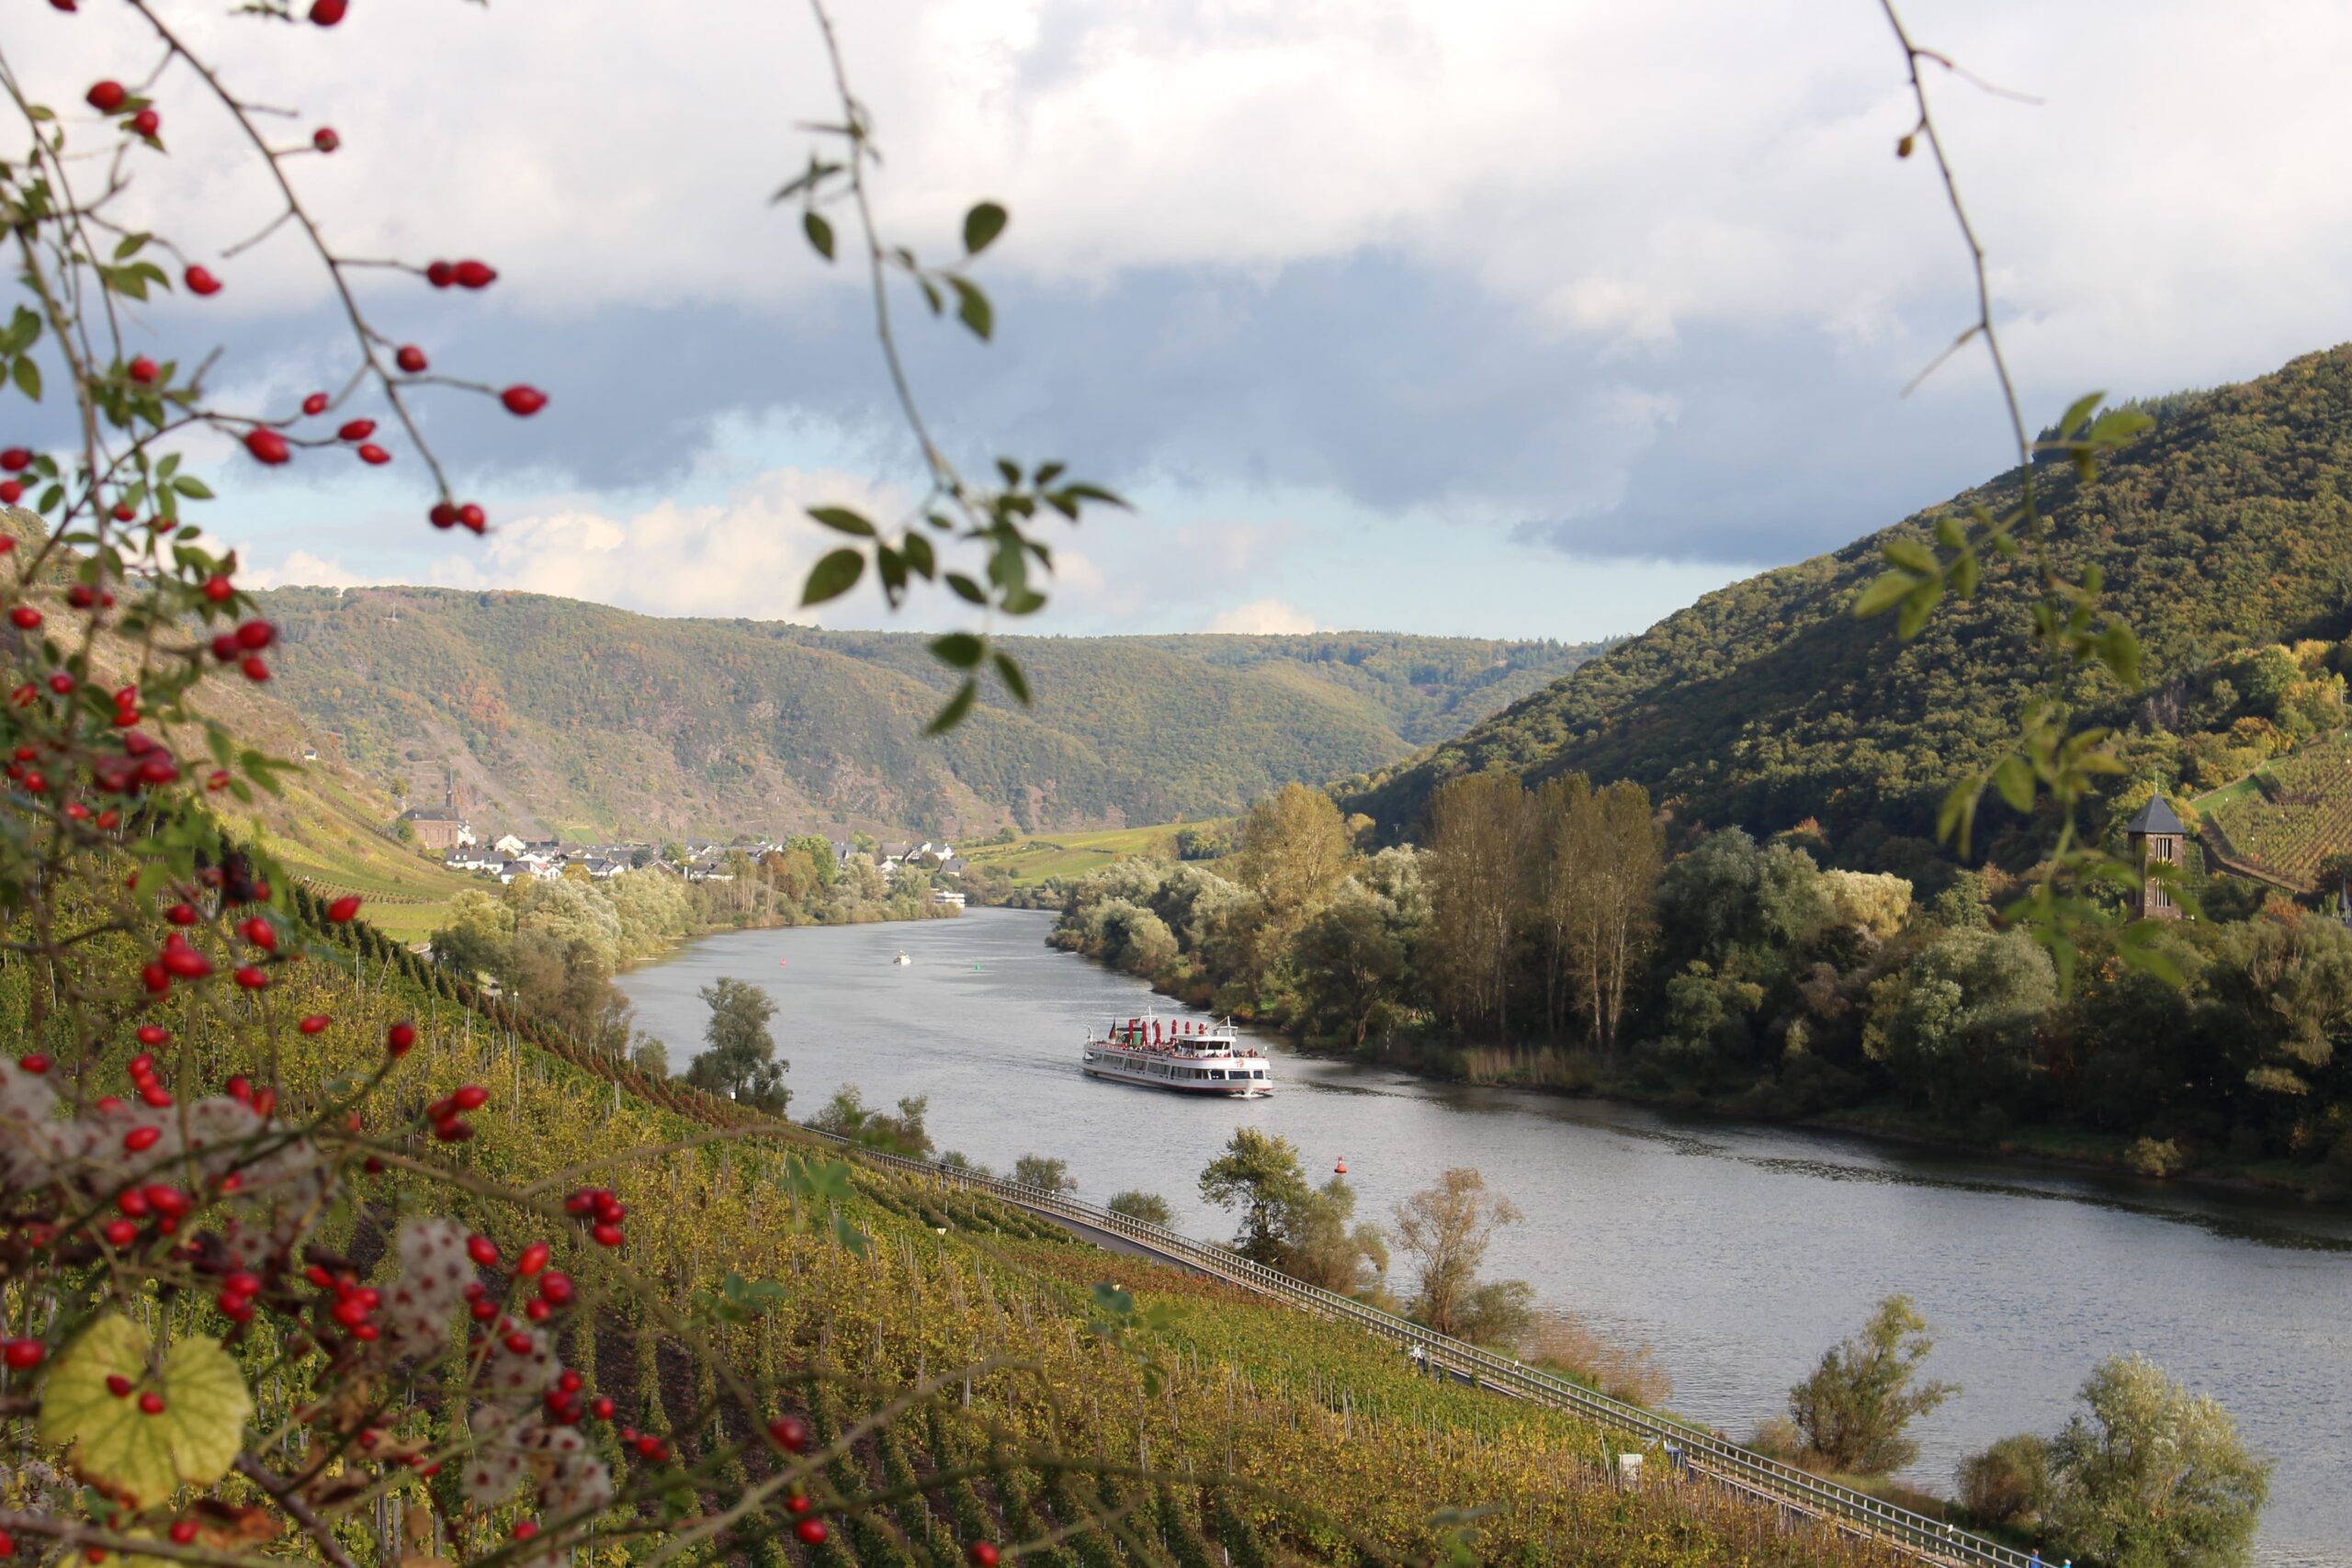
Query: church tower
(2155, 834)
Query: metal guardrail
(1742, 1468)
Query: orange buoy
(1341, 1168)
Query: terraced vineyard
(2288, 815)
(982, 1379)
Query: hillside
(1228, 1427)
(1767, 703)
(580, 718)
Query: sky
(1509, 318)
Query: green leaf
(27, 376)
(981, 226)
(192, 488)
(958, 706)
(966, 589)
(117, 1445)
(841, 519)
(1912, 557)
(1883, 595)
(1957, 816)
(1917, 608)
(1009, 671)
(832, 577)
(961, 649)
(920, 559)
(2077, 412)
(819, 233)
(2015, 781)
(2115, 426)
(972, 307)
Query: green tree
(1258, 1174)
(739, 1058)
(1147, 1206)
(1321, 1245)
(1852, 1412)
(1045, 1173)
(847, 1115)
(2154, 1476)
(1351, 962)
(1446, 1230)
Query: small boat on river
(901, 961)
(1188, 1055)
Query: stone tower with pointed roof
(2154, 834)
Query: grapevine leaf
(118, 1446)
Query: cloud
(745, 556)
(301, 569)
(1263, 617)
(1644, 280)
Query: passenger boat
(1189, 1055)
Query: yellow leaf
(118, 1446)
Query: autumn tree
(1477, 875)
(1293, 849)
(1446, 1230)
(1615, 834)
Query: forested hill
(1767, 703)
(577, 718)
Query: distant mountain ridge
(1765, 703)
(560, 715)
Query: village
(447, 833)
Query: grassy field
(1040, 857)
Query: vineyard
(981, 1375)
(2287, 817)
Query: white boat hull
(1115, 1068)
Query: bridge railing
(1727, 1462)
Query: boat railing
(1726, 1463)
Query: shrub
(1567, 1343)
(1147, 1206)
(2009, 1483)
(2155, 1157)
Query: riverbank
(1769, 1102)
(1579, 1075)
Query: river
(1739, 1252)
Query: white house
(510, 846)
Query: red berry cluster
(604, 1211)
(447, 1114)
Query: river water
(1739, 1252)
